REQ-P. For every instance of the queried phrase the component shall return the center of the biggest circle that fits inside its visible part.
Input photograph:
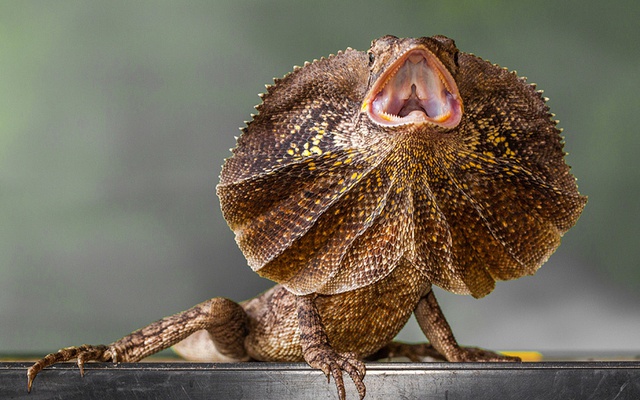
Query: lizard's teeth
(390, 117)
(412, 117)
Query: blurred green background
(116, 116)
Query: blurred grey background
(116, 116)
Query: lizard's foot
(476, 354)
(83, 353)
(319, 354)
(418, 352)
(334, 364)
(415, 352)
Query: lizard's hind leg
(222, 340)
(224, 321)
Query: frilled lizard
(364, 179)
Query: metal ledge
(479, 381)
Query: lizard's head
(412, 82)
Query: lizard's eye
(371, 58)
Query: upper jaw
(415, 89)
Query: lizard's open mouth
(417, 88)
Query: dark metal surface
(478, 381)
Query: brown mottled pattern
(360, 321)
(323, 200)
(318, 351)
(224, 319)
(356, 218)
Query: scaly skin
(364, 179)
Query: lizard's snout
(416, 88)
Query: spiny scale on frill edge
(493, 229)
(264, 96)
(296, 69)
(556, 122)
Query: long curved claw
(334, 364)
(83, 353)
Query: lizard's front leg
(225, 321)
(319, 354)
(437, 330)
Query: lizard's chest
(366, 319)
(360, 321)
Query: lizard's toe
(476, 354)
(335, 364)
(82, 353)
